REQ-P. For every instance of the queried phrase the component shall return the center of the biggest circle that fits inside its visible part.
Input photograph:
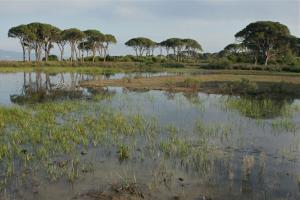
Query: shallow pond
(61, 141)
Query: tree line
(41, 38)
(259, 42)
(180, 47)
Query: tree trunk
(72, 52)
(45, 51)
(105, 53)
(61, 49)
(24, 54)
(94, 53)
(61, 54)
(82, 55)
(76, 53)
(267, 58)
(29, 54)
(36, 53)
(23, 48)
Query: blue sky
(211, 22)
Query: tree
(51, 35)
(295, 45)
(61, 41)
(44, 36)
(23, 33)
(192, 46)
(37, 43)
(108, 39)
(73, 36)
(140, 45)
(235, 48)
(84, 46)
(178, 45)
(266, 39)
(93, 37)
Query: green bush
(51, 58)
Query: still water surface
(256, 143)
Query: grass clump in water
(123, 152)
(192, 83)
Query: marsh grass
(257, 108)
(43, 131)
(285, 124)
(54, 140)
(123, 152)
(192, 83)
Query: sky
(212, 23)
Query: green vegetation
(258, 108)
(263, 45)
(163, 135)
(192, 83)
(61, 141)
(266, 39)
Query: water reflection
(37, 86)
(258, 108)
(40, 87)
(209, 152)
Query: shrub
(51, 58)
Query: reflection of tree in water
(258, 108)
(170, 95)
(99, 94)
(193, 98)
(40, 87)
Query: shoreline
(208, 83)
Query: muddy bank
(208, 83)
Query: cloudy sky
(212, 22)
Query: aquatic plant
(257, 108)
(123, 152)
(192, 83)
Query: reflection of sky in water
(249, 136)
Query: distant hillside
(10, 55)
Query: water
(205, 146)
